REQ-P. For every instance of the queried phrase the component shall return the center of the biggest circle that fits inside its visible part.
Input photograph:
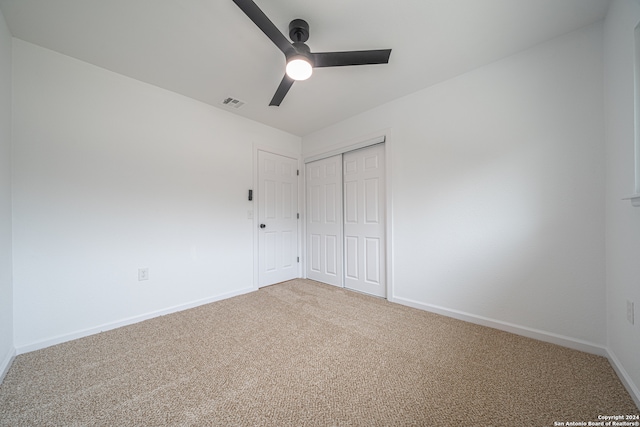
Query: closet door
(364, 220)
(324, 220)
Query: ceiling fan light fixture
(299, 67)
(300, 60)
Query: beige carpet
(302, 353)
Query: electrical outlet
(630, 311)
(143, 274)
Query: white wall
(498, 191)
(623, 220)
(6, 289)
(110, 175)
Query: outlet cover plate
(143, 274)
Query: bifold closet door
(364, 220)
(324, 220)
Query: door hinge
(298, 259)
(298, 172)
(298, 216)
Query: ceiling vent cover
(233, 103)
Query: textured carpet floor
(303, 353)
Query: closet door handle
(262, 226)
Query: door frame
(254, 206)
(381, 136)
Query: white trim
(345, 149)
(125, 322)
(635, 200)
(302, 224)
(256, 253)
(6, 363)
(388, 210)
(269, 149)
(625, 378)
(564, 341)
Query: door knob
(262, 226)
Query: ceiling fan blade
(356, 57)
(260, 19)
(282, 90)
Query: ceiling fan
(300, 60)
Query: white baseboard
(549, 337)
(125, 322)
(624, 377)
(5, 364)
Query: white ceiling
(210, 50)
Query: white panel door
(364, 220)
(324, 220)
(277, 218)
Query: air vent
(233, 103)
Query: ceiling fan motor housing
(300, 49)
(299, 34)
